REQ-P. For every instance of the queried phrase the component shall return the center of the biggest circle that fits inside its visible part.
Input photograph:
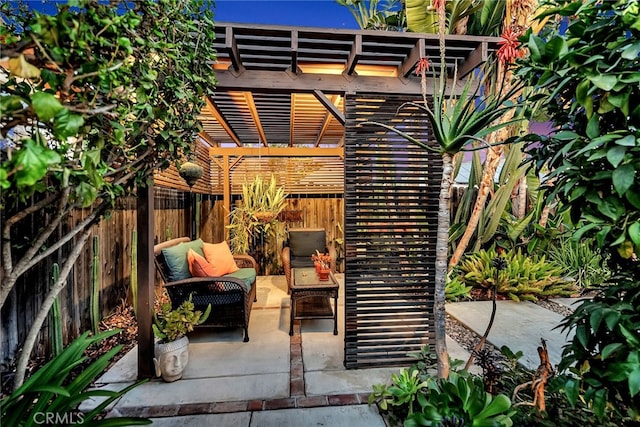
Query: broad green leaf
(536, 46)
(556, 48)
(572, 390)
(499, 404)
(623, 178)
(45, 105)
(4, 182)
(86, 194)
(583, 98)
(631, 51)
(610, 349)
(582, 335)
(593, 127)
(615, 155)
(634, 233)
(627, 141)
(33, 161)
(634, 381)
(604, 81)
(67, 124)
(633, 197)
(10, 103)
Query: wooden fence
(114, 252)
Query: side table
(310, 297)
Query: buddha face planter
(171, 359)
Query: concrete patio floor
(277, 380)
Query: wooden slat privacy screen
(391, 206)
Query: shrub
(52, 391)
(581, 262)
(524, 278)
(456, 289)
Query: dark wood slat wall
(391, 206)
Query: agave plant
(56, 389)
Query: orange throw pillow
(198, 266)
(220, 257)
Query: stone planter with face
(171, 359)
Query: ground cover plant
(525, 277)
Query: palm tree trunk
(442, 244)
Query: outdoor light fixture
(190, 171)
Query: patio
(227, 379)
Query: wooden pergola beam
(276, 152)
(231, 46)
(248, 96)
(417, 53)
(222, 120)
(354, 55)
(279, 82)
(335, 99)
(292, 118)
(331, 108)
(474, 60)
(294, 51)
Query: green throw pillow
(176, 259)
(248, 275)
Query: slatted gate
(391, 207)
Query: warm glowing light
(337, 69)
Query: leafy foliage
(459, 397)
(386, 15)
(580, 261)
(587, 83)
(256, 216)
(524, 278)
(455, 288)
(93, 100)
(53, 389)
(605, 351)
(169, 325)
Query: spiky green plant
(56, 389)
(94, 313)
(134, 271)
(456, 288)
(262, 201)
(524, 278)
(580, 261)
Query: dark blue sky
(307, 13)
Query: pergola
(298, 92)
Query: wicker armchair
(302, 243)
(230, 298)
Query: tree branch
(93, 111)
(7, 263)
(43, 312)
(41, 239)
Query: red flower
(509, 46)
(437, 4)
(422, 65)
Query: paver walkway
(277, 380)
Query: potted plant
(322, 263)
(171, 328)
(254, 223)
